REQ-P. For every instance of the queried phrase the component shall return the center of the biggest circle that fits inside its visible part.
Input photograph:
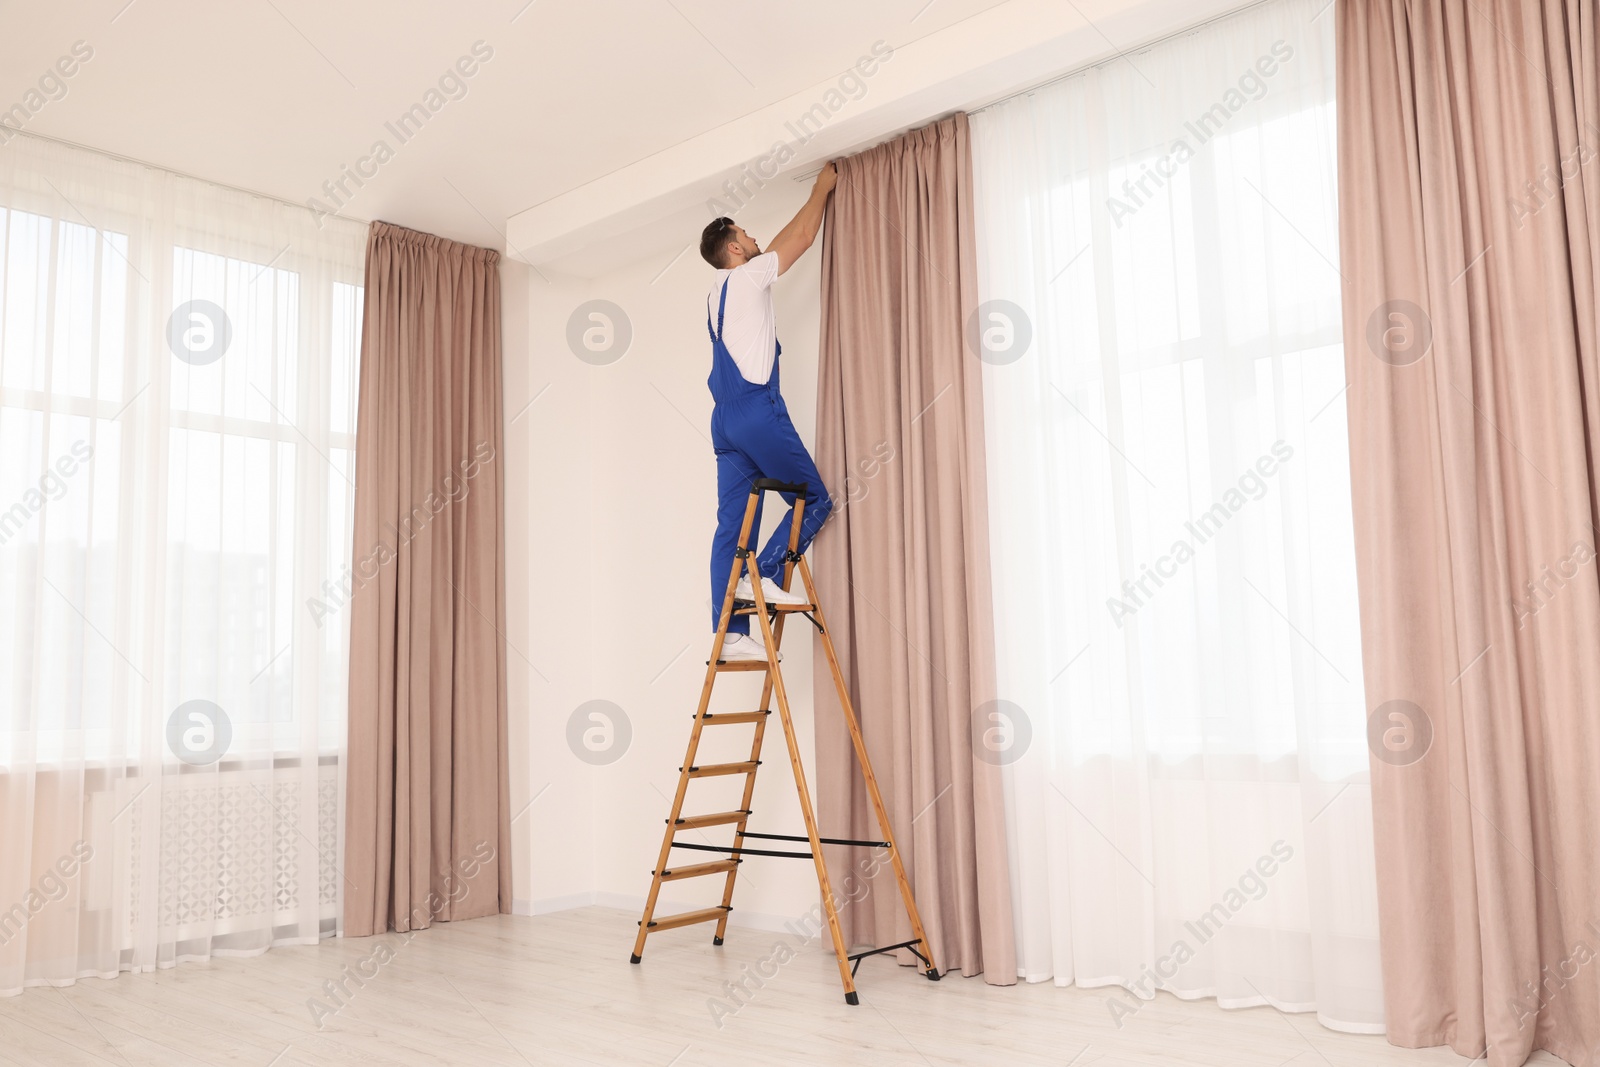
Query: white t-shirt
(749, 327)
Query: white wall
(611, 502)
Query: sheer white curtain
(177, 412)
(1175, 593)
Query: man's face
(746, 243)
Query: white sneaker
(744, 647)
(771, 591)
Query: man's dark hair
(714, 241)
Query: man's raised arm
(793, 240)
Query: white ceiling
(592, 118)
(276, 95)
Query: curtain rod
(181, 174)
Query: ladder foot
(933, 976)
(632, 958)
(716, 940)
(851, 998)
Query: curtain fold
(1174, 568)
(427, 818)
(904, 571)
(1470, 220)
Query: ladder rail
(807, 813)
(694, 745)
(766, 697)
(756, 740)
(858, 742)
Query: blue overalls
(753, 438)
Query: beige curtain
(903, 568)
(1470, 226)
(427, 828)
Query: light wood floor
(559, 990)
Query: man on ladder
(759, 452)
(750, 427)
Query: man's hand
(793, 240)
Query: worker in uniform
(750, 426)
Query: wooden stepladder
(771, 618)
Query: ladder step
(726, 718)
(741, 608)
(689, 918)
(742, 665)
(713, 770)
(695, 870)
(721, 818)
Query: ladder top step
(720, 818)
(742, 665)
(772, 485)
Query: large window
(1176, 609)
(177, 418)
(236, 409)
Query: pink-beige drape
(903, 566)
(1470, 236)
(427, 828)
